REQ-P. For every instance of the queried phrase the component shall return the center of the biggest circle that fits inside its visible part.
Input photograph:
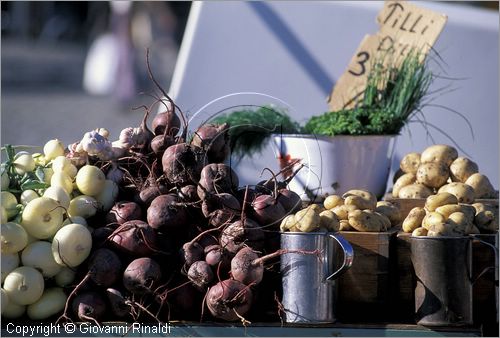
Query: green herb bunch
(392, 95)
(249, 128)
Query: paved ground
(42, 96)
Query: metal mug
(443, 270)
(309, 286)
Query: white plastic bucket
(334, 165)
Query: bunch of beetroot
(184, 237)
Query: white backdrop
(295, 51)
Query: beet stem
(200, 235)
(143, 308)
(66, 306)
(282, 252)
(243, 216)
(244, 322)
(90, 319)
(184, 133)
(281, 308)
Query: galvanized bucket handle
(485, 270)
(348, 257)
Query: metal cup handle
(348, 256)
(485, 270)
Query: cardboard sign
(403, 27)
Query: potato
(434, 201)
(415, 191)
(486, 221)
(345, 226)
(419, 232)
(329, 221)
(386, 221)
(439, 153)
(362, 199)
(414, 219)
(461, 222)
(390, 210)
(307, 220)
(316, 207)
(478, 206)
(367, 220)
(482, 186)
(463, 192)
(432, 174)
(287, 223)
(432, 218)
(486, 217)
(332, 201)
(443, 229)
(397, 175)
(401, 182)
(462, 168)
(342, 211)
(447, 210)
(410, 163)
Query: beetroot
(104, 267)
(165, 213)
(214, 139)
(201, 274)
(245, 268)
(217, 178)
(142, 276)
(248, 268)
(289, 200)
(219, 259)
(184, 302)
(193, 250)
(190, 253)
(267, 210)
(167, 120)
(189, 193)
(89, 306)
(251, 195)
(182, 163)
(166, 138)
(124, 211)
(220, 208)
(117, 302)
(213, 255)
(229, 299)
(135, 237)
(242, 233)
(100, 236)
(147, 195)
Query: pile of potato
(443, 215)
(355, 210)
(439, 169)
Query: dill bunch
(251, 128)
(391, 97)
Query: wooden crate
(364, 291)
(406, 282)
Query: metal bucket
(309, 286)
(443, 270)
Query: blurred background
(68, 66)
